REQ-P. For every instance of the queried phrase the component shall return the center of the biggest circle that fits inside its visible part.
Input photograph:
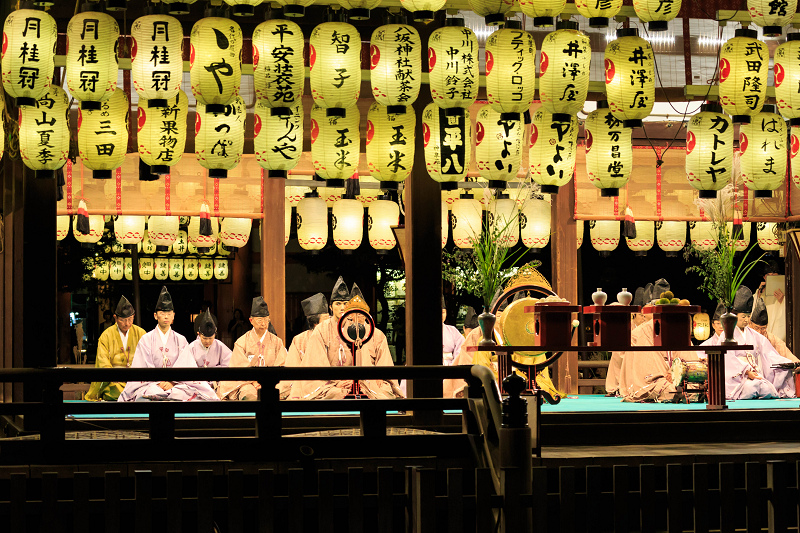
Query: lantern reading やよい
(129, 229)
(157, 58)
(498, 146)
(534, 223)
(564, 70)
(772, 15)
(762, 143)
(29, 50)
(312, 223)
(604, 235)
(103, 135)
(422, 10)
(671, 236)
(767, 236)
(657, 13)
(215, 62)
(395, 66)
(448, 145)
(542, 11)
(609, 150)
(381, 216)
(219, 137)
(335, 65)
(235, 232)
(453, 65)
(162, 132)
(390, 145)
(278, 70)
(703, 235)
(630, 77)
(335, 143)
(466, 221)
(787, 76)
(552, 146)
(347, 221)
(709, 150)
(92, 62)
(504, 221)
(598, 12)
(44, 132)
(278, 138)
(743, 70)
(510, 70)
(645, 237)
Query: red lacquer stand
(611, 325)
(672, 324)
(552, 323)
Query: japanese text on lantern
(639, 77)
(282, 84)
(404, 47)
(561, 129)
(341, 143)
(285, 145)
(460, 66)
(89, 78)
(44, 129)
(571, 69)
(615, 167)
(398, 140)
(168, 130)
(29, 53)
(452, 133)
(718, 125)
(341, 43)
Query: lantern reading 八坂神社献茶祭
(395, 52)
(278, 70)
(498, 146)
(609, 150)
(534, 223)
(709, 150)
(235, 232)
(767, 236)
(510, 70)
(772, 15)
(312, 223)
(466, 223)
(92, 63)
(278, 138)
(542, 11)
(103, 135)
(787, 77)
(743, 71)
(162, 231)
(215, 62)
(335, 142)
(492, 11)
(703, 235)
(347, 221)
(44, 132)
(129, 229)
(598, 12)
(657, 13)
(448, 145)
(762, 144)
(422, 10)
(381, 216)
(504, 220)
(390, 145)
(564, 70)
(630, 77)
(671, 236)
(29, 50)
(552, 146)
(157, 58)
(243, 8)
(645, 237)
(604, 235)
(359, 9)
(453, 66)
(335, 65)
(162, 132)
(219, 137)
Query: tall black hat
(743, 302)
(355, 291)
(759, 314)
(649, 291)
(206, 324)
(259, 307)
(719, 311)
(640, 298)
(471, 320)
(315, 305)
(661, 285)
(340, 292)
(164, 302)
(124, 308)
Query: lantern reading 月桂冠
(103, 135)
(709, 151)
(448, 145)
(157, 58)
(743, 70)
(29, 46)
(453, 65)
(278, 70)
(92, 62)
(390, 145)
(552, 145)
(215, 62)
(219, 137)
(162, 132)
(278, 138)
(335, 66)
(510, 70)
(44, 132)
(498, 146)
(609, 151)
(630, 77)
(762, 143)
(564, 70)
(395, 66)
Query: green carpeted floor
(597, 403)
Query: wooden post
(273, 255)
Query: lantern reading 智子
(552, 148)
(453, 65)
(162, 132)
(103, 135)
(215, 61)
(743, 70)
(157, 58)
(630, 77)
(609, 151)
(44, 132)
(390, 145)
(709, 151)
(29, 46)
(564, 70)
(335, 61)
(278, 142)
(395, 66)
(448, 145)
(92, 62)
(278, 70)
(762, 143)
(510, 70)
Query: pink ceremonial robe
(298, 348)
(249, 350)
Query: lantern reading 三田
(92, 62)
(215, 62)
(604, 235)
(598, 12)
(390, 145)
(542, 11)
(335, 65)
(743, 70)
(534, 223)
(162, 132)
(381, 216)
(657, 13)
(564, 70)
(44, 132)
(29, 46)
(278, 138)
(278, 70)
(453, 65)
(347, 222)
(312, 223)
(552, 148)
(219, 137)
(510, 70)
(630, 77)
(609, 151)
(448, 145)
(103, 135)
(335, 143)
(709, 150)
(157, 58)
(498, 146)
(395, 66)
(762, 143)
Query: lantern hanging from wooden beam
(312, 223)
(162, 132)
(767, 236)
(215, 62)
(162, 231)
(294, 194)
(762, 143)
(709, 150)
(219, 137)
(498, 145)
(220, 269)
(243, 8)
(175, 7)
(44, 132)
(96, 225)
(609, 150)
(422, 10)
(542, 11)
(772, 15)
(657, 13)
(116, 268)
(448, 145)
(181, 243)
(92, 63)
(335, 143)
(741, 241)
(129, 229)
(453, 66)
(787, 76)
(128, 267)
(347, 222)
(671, 236)
(287, 222)
(278, 70)
(630, 77)
(29, 51)
(278, 138)
(445, 223)
(146, 268)
(466, 221)
(206, 268)
(174, 268)
(235, 232)
(510, 70)
(390, 145)
(604, 235)
(157, 69)
(335, 65)
(202, 242)
(294, 8)
(743, 71)
(381, 216)
(552, 146)
(703, 235)
(103, 135)
(598, 13)
(534, 223)
(62, 227)
(645, 237)
(191, 265)
(504, 220)
(564, 70)
(101, 271)
(395, 66)
(146, 246)
(579, 229)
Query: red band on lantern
(119, 190)
(167, 194)
(68, 180)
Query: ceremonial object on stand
(355, 334)
(611, 325)
(672, 324)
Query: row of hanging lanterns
(162, 268)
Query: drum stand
(683, 390)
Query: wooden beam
(273, 255)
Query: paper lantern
(29, 51)
(395, 52)
(492, 11)
(604, 236)
(510, 70)
(206, 268)
(294, 8)
(294, 194)
(211, 250)
(609, 150)
(445, 223)
(552, 146)
(92, 62)
(243, 8)
(709, 151)
(101, 271)
(219, 137)
(175, 269)
(701, 326)
(671, 236)
(597, 12)
(787, 76)
(202, 241)
(390, 145)
(162, 132)
(448, 145)
(330, 195)
(278, 141)
(157, 69)
(128, 267)
(534, 223)
(504, 221)
(630, 77)
(2, 124)
(221, 269)
(287, 222)
(44, 132)
(103, 135)
(657, 13)
(772, 15)
(96, 225)
(146, 268)
(453, 65)
(278, 70)
(767, 236)
(312, 223)
(116, 269)
(542, 11)
(162, 231)
(235, 232)
(335, 143)
(741, 243)
(762, 143)
(191, 266)
(645, 237)
(422, 10)
(564, 70)
(129, 229)
(348, 224)
(175, 7)
(498, 146)
(381, 216)
(466, 221)
(743, 70)
(359, 9)
(162, 268)
(794, 149)
(215, 62)
(335, 61)
(703, 235)
(146, 246)
(62, 227)
(579, 229)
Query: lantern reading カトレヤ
(510, 70)
(492, 11)
(498, 146)
(703, 235)
(504, 220)
(542, 11)
(743, 70)
(772, 15)
(630, 77)
(395, 52)
(157, 58)
(335, 143)
(92, 62)
(312, 223)
(390, 145)
(278, 71)
(235, 232)
(215, 62)
(381, 216)
(335, 65)
(129, 229)
(767, 236)
(604, 235)
(762, 143)
(44, 132)
(219, 137)
(422, 10)
(453, 65)
(448, 145)
(162, 132)
(645, 237)
(534, 223)
(466, 221)
(609, 150)
(657, 13)
(278, 138)
(29, 50)
(787, 76)
(709, 150)
(564, 70)
(671, 236)
(103, 135)
(598, 12)
(552, 145)
(347, 222)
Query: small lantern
(504, 220)
(221, 269)
(598, 13)
(701, 326)
(767, 236)
(498, 145)
(381, 216)
(103, 135)
(116, 270)
(743, 70)
(335, 143)
(162, 132)
(92, 62)
(223, 250)
(101, 271)
(703, 235)
(564, 70)
(175, 269)
(422, 10)
(395, 66)
(762, 143)
(348, 224)
(157, 69)
(162, 231)
(445, 223)
(176, 7)
(62, 227)
(128, 266)
(359, 9)
(202, 241)
(243, 8)
(630, 77)
(278, 70)
(510, 70)
(335, 61)
(215, 62)
(191, 265)
(466, 221)
(312, 223)
(609, 150)
(44, 132)
(552, 146)
(645, 237)
(129, 229)
(219, 141)
(448, 145)
(671, 236)
(534, 223)
(206, 268)
(772, 15)
(390, 145)
(211, 250)
(287, 222)
(96, 225)
(787, 76)
(492, 11)
(542, 11)
(453, 65)
(709, 150)
(741, 243)
(161, 267)
(29, 51)
(657, 13)
(147, 246)
(604, 235)
(278, 141)
(235, 232)
(295, 194)
(146, 268)
(579, 229)
(295, 8)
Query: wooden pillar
(792, 296)
(273, 255)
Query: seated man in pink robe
(315, 308)
(759, 322)
(206, 350)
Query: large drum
(516, 327)
(690, 371)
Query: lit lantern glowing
(534, 223)
(178, 7)
(335, 64)
(741, 240)
(103, 135)
(162, 231)
(146, 268)
(510, 70)
(657, 13)
(62, 227)
(162, 132)
(466, 221)
(579, 229)
(221, 269)
(422, 10)
(157, 69)
(206, 268)
(552, 147)
(146, 246)
(44, 132)
(445, 222)
(278, 141)
(381, 216)
(335, 143)
(671, 236)
(96, 225)
(390, 145)
(453, 65)
(598, 13)
(448, 145)
(542, 11)
(703, 235)
(645, 237)
(609, 150)
(2, 125)
(92, 62)
(278, 70)
(129, 229)
(794, 149)
(312, 223)
(504, 220)
(772, 15)
(29, 50)
(395, 66)
(128, 267)
(175, 269)
(101, 271)
(215, 62)
(701, 326)
(116, 268)
(219, 137)
(709, 150)
(630, 77)
(604, 235)
(190, 268)
(762, 143)
(743, 70)
(181, 242)
(294, 194)
(202, 242)
(787, 76)
(492, 11)
(287, 222)
(348, 224)
(564, 70)
(243, 8)
(498, 146)
(295, 8)
(359, 9)
(235, 232)
(767, 236)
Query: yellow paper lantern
(174, 269)
(347, 222)
(579, 229)
(741, 243)
(671, 236)
(598, 13)
(157, 69)
(202, 241)
(335, 61)
(330, 194)
(390, 145)
(422, 10)
(794, 149)
(787, 76)
(395, 52)
(767, 236)
(92, 62)
(453, 65)
(630, 77)
(278, 70)
(128, 266)
(743, 70)
(510, 70)
(335, 143)
(709, 151)
(2, 124)
(294, 194)
(287, 222)
(504, 220)
(215, 62)
(552, 146)
(445, 222)
(175, 7)
(542, 11)
(206, 269)
(101, 271)
(604, 236)
(44, 132)
(96, 225)
(772, 15)
(448, 145)
(116, 269)
(146, 268)
(359, 9)
(129, 229)
(645, 237)
(762, 143)
(191, 266)
(278, 141)
(295, 8)
(29, 50)
(534, 223)
(498, 146)
(564, 70)
(235, 232)
(221, 269)
(381, 216)
(701, 326)
(657, 13)
(147, 246)
(62, 227)
(492, 11)
(609, 150)
(162, 231)
(466, 221)
(162, 132)
(243, 8)
(181, 242)
(103, 135)
(312, 223)
(703, 235)
(219, 137)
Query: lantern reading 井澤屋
(278, 138)
(498, 146)
(44, 132)
(335, 142)
(215, 62)
(552, 145)
(157, 58)
(448, 145)
(162, 132)
(630, 77)
(390, 145)
(92, 62)
(709, 150)
(564, 70)
(743, 71)
(395, 66)
(278, 70)
(219, 137)
(103, 135)
(609, 150)
(29, 46)
(762, 144)
(453, 66)
(510, 70)
(335, 66)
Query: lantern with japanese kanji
(335, 61)
(243, 8)
(630, 77)
(598, 13)
(278, 142)
(235, 232)
(534, 223)
(564, 70)
(448, 145)
(787, 76)
(604, 235)
(657, 13)
(498, 146)
(181, 242)
(492, 11)
(312, 223)
(466, 221)
(772, 15)
(29, 50)
(174, 268)
(453, 66)
(202, 242)
(422, 10)
(395, 52)
(92, 62)
(96, 225)
(146, 268)
(794, 148)
(220, 269)
(381, 216)
(62, 227)
(762, 143)
(709, 150)
(347, 221)
(294, 8)
(335, 143)
(510, 70)
(147, 246)
(703, 235)
(743, 70)
(609, 150)
(645, 237)
(215, 62)
(116, 268)
(103, 135)
(671, 236)
(190, 268)
(278, 70)
(162, 132)
(128, 267)
(579, 229)
(206, 268)
(101, 271)
(767, 236)
(219, 137)
(157, 58)
(129, 229)
(390, 145)
(542, 11)
(44, 132)
(504, 220)
(552, 146)
(162, 231)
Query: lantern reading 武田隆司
(92, 62)
(29, 50)
(743, 70)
